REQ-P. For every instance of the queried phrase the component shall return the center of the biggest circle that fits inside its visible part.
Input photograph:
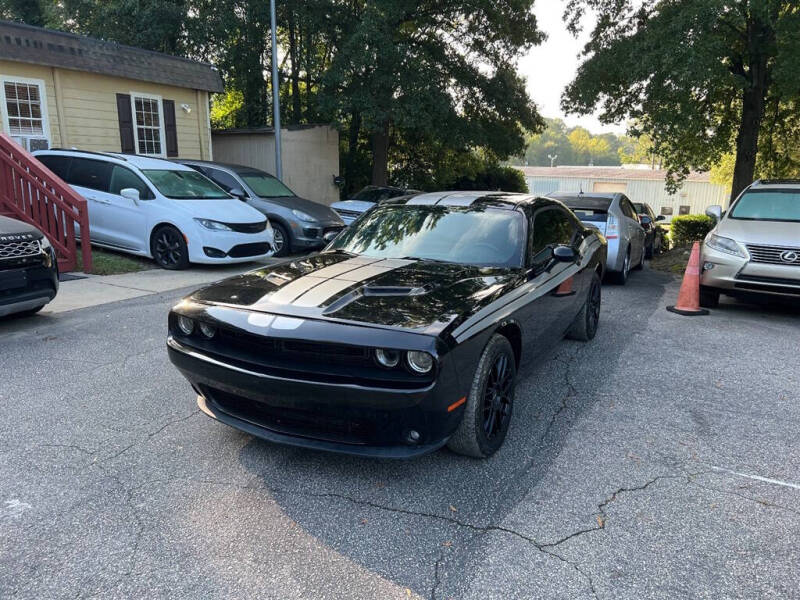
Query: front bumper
(313, 235)
(27, 287)
(229, 247)
(345, 418)
(734, 275)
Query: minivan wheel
(280, 240)
(487, 414)
(168, 247)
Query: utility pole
(552, 160)
(276, 101)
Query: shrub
(492, 178)
(690, 228)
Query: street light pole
(276, 102)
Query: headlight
(44, 243)
(420, 362)
(208, 330)
(303, 216)
(387, 358)
(726, 245)
(186, 325)
(213, 225)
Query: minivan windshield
(185, 185)
(485, 236)
(768, 205)
(265, 186)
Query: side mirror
(660, 218)
(130, 194)
(239, 193)
(564, 254)
(715, 212)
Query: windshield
(474, 236)
(373, 194)
(265, 185)
(768, 205)
(185, 185)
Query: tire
(584, 327)
(709, 297)
(621, 277)
(471, 438)
(279, 231)
(168, 248)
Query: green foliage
(689, 228)
(227, 109)
(694, 75)
(492, 177)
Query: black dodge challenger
(403, 335)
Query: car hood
(768, 233)
(14, 230)
(422, 296)
(226, 211)
(358, 206)
(314, 209)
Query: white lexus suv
(160, 209)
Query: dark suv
(655, 235)
(28, 268)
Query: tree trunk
(379, 140)
(747, 141)
(297, 112)
(352, 149)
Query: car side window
(92, 174)
(224, 180)
(551, 227)
(57, 164)
(122, 177)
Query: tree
(436, 69)
(694, 75)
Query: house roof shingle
(606, 173)
(39, 46)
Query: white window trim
(42, 95)
(162, 134)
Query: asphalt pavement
(658, 461)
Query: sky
(552, 65)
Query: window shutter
(170, 130)
(126, 138)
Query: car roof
(467, 198)
(593, 201)
(142, 162)
(792, 184)
(229, 166)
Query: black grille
(314, 421)
(248, 227)
(243, 250)
(769, 284)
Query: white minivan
(162, 210)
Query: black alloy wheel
(584, 327)
(498, 397)
(280, 240)
(490, 403)
(168, 248)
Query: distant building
(640, 185)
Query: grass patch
(672, 261)
(108, 262)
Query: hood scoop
(376, 291)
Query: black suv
(28, 268)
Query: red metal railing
(31, 192)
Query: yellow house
(59, 90)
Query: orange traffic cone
(689, 296)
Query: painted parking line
(758, 478)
